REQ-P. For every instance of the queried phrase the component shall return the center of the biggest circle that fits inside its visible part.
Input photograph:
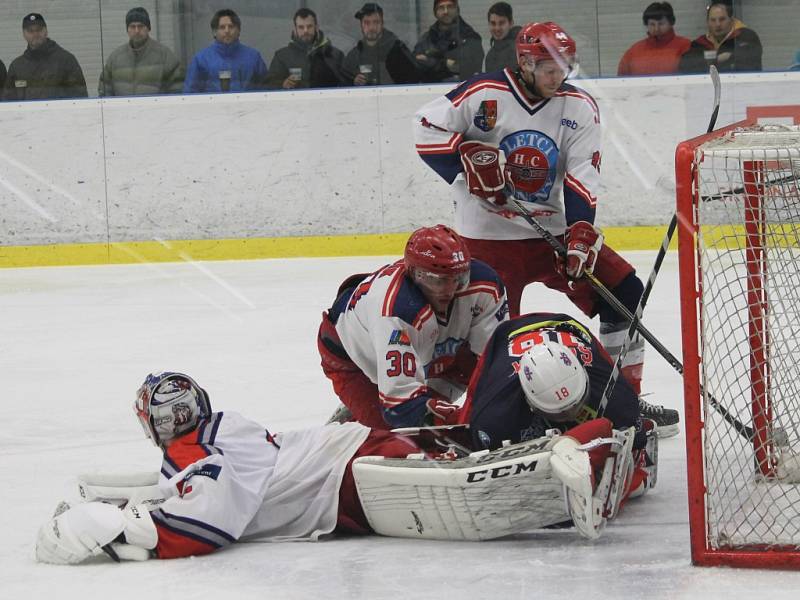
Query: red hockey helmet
(546, 41)
(437, 254)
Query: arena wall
(307, 173)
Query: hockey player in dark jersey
(545, 371)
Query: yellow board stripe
(619, 238)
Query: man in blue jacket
(227, 65)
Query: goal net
(739, 252)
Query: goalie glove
(483, 170)
(583, 241)
(85, 530)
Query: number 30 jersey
(391, 332)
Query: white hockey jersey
(229, 479)
(390, 331)
(551, 147)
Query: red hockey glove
(583, 241)
(483, 171)
(444, 412)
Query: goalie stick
(742, 429)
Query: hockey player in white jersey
(400, 344)
(226, 478)
(530, 135)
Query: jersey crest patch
(486, 117)
(531, 160)
(399, 338)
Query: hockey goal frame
(691, 282)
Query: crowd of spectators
(449, 50)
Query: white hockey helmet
(554, 381)
(169, 405)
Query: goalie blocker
(513, 489)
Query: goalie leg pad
(571, 465)
(482, 496)
(616, 478)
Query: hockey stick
(662, 252)
(623, 311)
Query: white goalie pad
(482, 496)
(121, 488)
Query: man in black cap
(45, 71)
(143, 65)
(379, 57)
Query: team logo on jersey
(531, 159)
(399, 338)
(486, 117)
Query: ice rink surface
(78, 341)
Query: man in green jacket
(503, 51)
(143, 65)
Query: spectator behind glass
(379, 57)
(660, 52)
(728, 44)
(143, 65)
(3, 74)
(796, 64)
(45, 71)
(450, 50)
(310, 60)
(226, 65)
(503, 53)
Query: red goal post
(738, 209)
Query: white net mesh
(748, 254)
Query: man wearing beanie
(143, 65)
(227, 65)
(45, 71)
(450, 50)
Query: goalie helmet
(437, 256)
(554, 381)
(537, 42)
(169, 405)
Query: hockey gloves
(443, 411)
(583, 241)
(88, 529)
(483, 170)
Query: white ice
(77, 341)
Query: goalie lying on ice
(225, 478)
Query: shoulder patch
(407, 302)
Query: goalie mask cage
(739, 258)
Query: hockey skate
(667, 420)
